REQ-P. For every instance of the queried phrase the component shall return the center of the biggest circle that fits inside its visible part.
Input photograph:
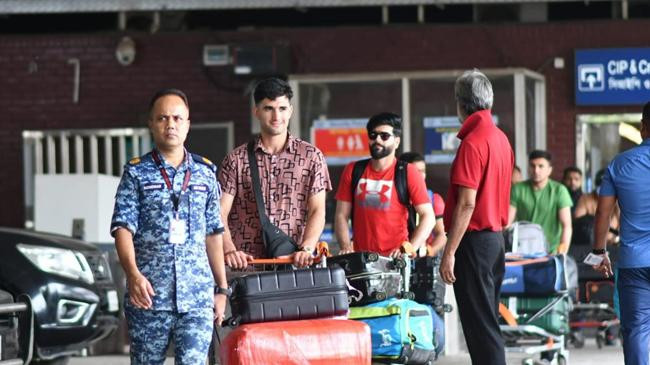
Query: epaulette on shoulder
(134, 161)
(202, 160)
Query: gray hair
(473, 92)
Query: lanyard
(163, 172)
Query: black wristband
(599, 251)
(225, 291)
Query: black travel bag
(426, 283)
(288, 295)
(373, 277)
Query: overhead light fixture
(630, 132)
(125, 51)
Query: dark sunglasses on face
(384, 135)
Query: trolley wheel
(578, 339)
(379, 295)
(600, 339)
(399, 263)
(372, 257)
(231, 322)
(548, 356)
(408, 295)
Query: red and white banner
(341, 140)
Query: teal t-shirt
(541, 207)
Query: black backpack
(401, 185)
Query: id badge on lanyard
(177, 229)
(177, 226)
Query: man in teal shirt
(543, 201)
(626, 182)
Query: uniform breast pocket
(199, 195)
(154, 196)
(198, 206)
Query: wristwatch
(599, 251)
(225, 291)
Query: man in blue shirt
(626, 181)
(167, 230)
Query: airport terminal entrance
(600, 137)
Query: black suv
(69, 285)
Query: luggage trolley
(259, 265)
(536, 315)
(531, 340)
(601, 318)
(594, 314)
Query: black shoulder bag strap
(357, 171)
(276, 242)
(401, 185)
(255, 180)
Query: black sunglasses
(384, 135)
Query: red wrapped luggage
(305, 342)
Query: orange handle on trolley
(507, 315)
(407, 248)
(322, 250)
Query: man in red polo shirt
(476, 212)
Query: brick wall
(116, 96)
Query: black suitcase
(357, 263)
(373, 277)
(426, 283)
(288, 295)
(372, 288)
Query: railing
(23, 310)
(105, 151)
(80, 151)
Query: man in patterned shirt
(167, 231)
(294, 181)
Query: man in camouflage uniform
(167, 230)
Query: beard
(378, 151)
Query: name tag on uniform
(176, 230)
(199, 187)
(152, 187)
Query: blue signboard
(440, 138)
(616, 76)
(440, 142)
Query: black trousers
(479, 270)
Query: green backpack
(401, 330)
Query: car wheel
(58, 361)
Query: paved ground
(589, 355)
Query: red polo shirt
(484, 162)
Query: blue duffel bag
(534, 276)
(401, 330)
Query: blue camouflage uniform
(180, 274)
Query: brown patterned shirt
(288, 179)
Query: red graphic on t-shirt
(375, 194)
